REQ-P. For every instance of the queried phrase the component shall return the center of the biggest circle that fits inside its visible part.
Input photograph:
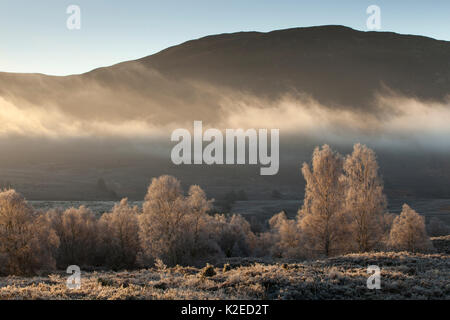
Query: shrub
(226, 267)
(408, 232)
(105, 282)
(208, 271)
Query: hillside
(442, 244)
(337, 66)
(60, 135)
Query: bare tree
(365, 200)
(321, 218)
(408, 232)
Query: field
(265, 209)
(403, 276)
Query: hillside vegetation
(344, 211)
(403, 276)
(167, 249)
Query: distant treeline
(344, 211)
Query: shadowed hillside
(329, 84)
(337, 66)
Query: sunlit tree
(364, 197)
(408, 232)
(163, 221)
(197, 205)
(286, 237)
(26, 240)
(119, 231)
(321, 218)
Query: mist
(59, 135)
(94, 110)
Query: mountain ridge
(336, 66)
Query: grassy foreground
(403, 276)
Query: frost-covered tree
(77, 231)
(386, 226)
(233, 235)
(26, 241)
(163, 221)
(174, 227)
(321, 218)
(408, 232)
(198, 205)
(364, 197)
(285, 236)
(119, 232)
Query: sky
(35, 38)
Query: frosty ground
(403, 276)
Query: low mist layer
(317, 85)
(397, 121)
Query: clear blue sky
(34, 36)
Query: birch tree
(408, 232)
(174, 227)
(285, 236)
(120, 235)
(364, 197)
(198, 206)
(26, 241)
(321, 218)
(77, 231)
(233, 235)
(163, 223)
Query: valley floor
(403, 276)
